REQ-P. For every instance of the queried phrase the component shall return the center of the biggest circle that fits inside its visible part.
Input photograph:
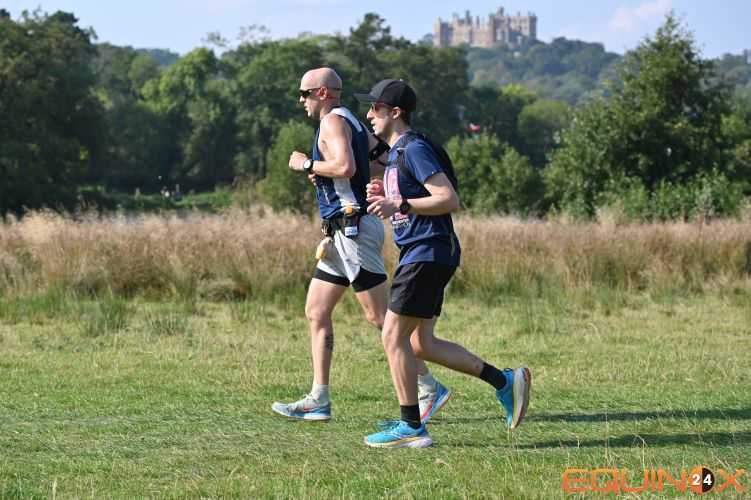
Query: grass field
(129, 399)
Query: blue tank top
(335, 194)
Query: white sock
(320, 393)
(426, 383)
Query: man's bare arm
(335, 142)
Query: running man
(418, 197)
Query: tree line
(80, 120)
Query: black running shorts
(417, 289)
(365, 279)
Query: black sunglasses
(375, 106)
(305, 93)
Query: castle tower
(498, 28)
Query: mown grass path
(134, 399)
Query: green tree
(662, 126)
(358, 56)
(137, 140)
(137, 148)
(539, 124)
(493, 177)
(439, 77)
(282, 188)
(497, 110)
(736, 127)
(264, 81)
(197, 119)
(568, 70)
(50, 130)
(142, 68)
(111, 66)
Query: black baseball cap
(393, 92)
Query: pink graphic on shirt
(391, 188)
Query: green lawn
(129, 399)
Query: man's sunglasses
(376, 106)
(305, 93)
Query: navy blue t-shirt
(335, 194)
(420, 238)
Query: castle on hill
(497, 28)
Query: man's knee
(419, 347)
(389, 337)
(315, 313)
(375, 318)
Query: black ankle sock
(493, 376)
(411, 415)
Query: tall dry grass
(506, 255)
(251, 254)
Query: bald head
(322, 77)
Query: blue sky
(180, 25)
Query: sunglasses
(305, 93)
(375, 107)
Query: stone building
(498, 28)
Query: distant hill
(573, 70)
(163, 57)
(568, 70)
(736, 71)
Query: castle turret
(499, 28)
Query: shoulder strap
(438, 150)
(401, 160)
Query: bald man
(351, 253)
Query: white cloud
(628, 19)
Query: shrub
(282, 188)
(493, 177)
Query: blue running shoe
(400, 435)
(514, 397)
(431, 402)
(386, 425)
(305, 409)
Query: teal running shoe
(401, 435)
(305, 409)
(386, 425)
(431, 402)
(514, 397)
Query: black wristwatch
(307, 167)
(404, 207)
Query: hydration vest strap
(378, 149)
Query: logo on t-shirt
(398, 220)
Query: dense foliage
(568, 70)
(83, 122)
(50, 120)
(657, 142)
